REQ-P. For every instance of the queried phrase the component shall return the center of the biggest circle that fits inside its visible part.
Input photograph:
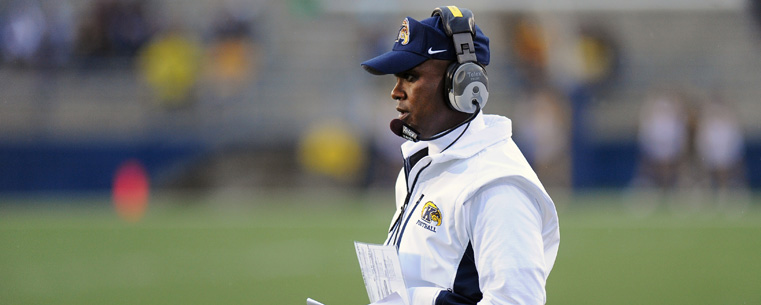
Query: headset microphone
(400, 128)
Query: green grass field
(281, 249)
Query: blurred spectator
(233, 54)
(720, 145)
(37, 34)
(599, 56)
(543, 132)
(22, 31)
(170, 65)
(332, 149)
(91, 40)
(529, 47)
(58, 45)
(113, 29)
(663, 140)
(129, 29)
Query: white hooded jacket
(473, 223)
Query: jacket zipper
(397, 229)
(401, 229)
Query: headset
(466, 84)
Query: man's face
(419, 93)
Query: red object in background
(130, 190)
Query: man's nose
(397, 93)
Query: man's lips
(402, 114)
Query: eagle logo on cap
(404, 33)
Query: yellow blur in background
(332, 150)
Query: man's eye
(409, 77)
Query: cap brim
(393, 62)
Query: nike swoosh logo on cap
(431, 51)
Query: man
(473, 223)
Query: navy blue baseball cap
(419, 41)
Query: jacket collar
(465, 141)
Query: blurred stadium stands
(78, 98)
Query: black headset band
(460, 25)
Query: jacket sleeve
(505, 230)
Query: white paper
(381, 271)
(393, 299)
(310, 301)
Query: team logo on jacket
(430, 217)
(404, 33)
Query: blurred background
(268, 94)
(152, 149)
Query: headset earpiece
(466, 81)
(465, 86)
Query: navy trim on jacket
(465, 290)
